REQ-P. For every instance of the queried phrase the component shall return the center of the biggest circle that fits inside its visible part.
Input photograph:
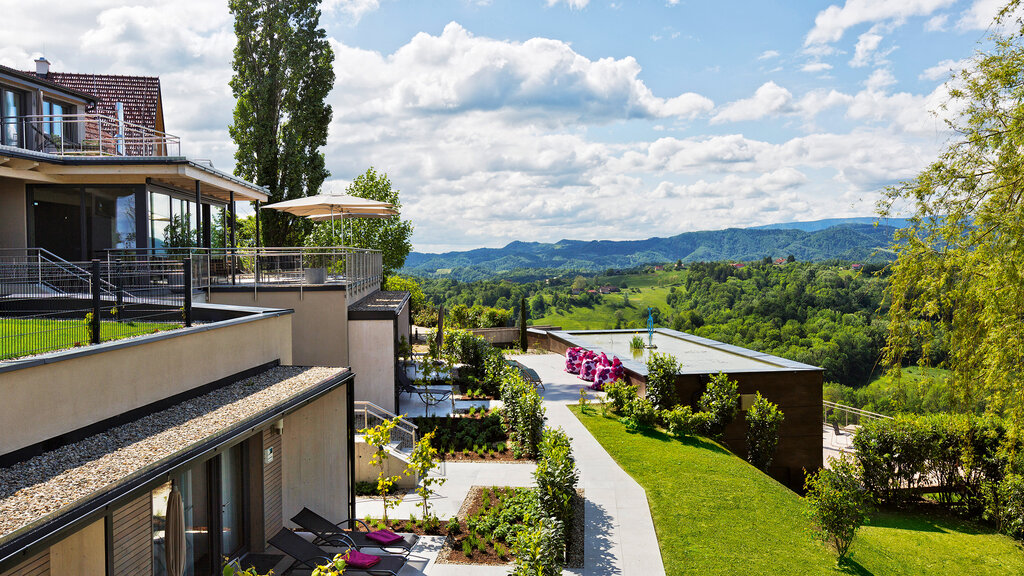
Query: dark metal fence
(47, 306)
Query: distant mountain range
(838, 238)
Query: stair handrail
(859, 413)
(404, 433)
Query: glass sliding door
(110, 219)
(11, 110)
(232, 502)
(56, 214)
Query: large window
(11, 110)
(79, 223)
(57, 133)
(172, 221)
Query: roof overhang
(174, 171)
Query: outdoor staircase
(403, 437)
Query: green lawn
(26, 337)
(602, 316)
(716, 514)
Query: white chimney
(42, 66)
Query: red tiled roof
(139, 95)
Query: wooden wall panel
(272, 516)
(38, 565)
(133, 537)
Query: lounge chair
(328, 533)
(429, 396)
(529, 374)
(305, 553)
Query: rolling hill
(846, 241)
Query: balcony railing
(358, 269)
(91, 135)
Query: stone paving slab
(461, 476)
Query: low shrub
(661, 380)
(721, 401)
(763, 421)
(640, 414)
(523, 414)
(838, 503)
(457, 434)
(462, 347)
(538, 551)
(683, 421)
(1010, 494)
(619, 393)
(556, 476)
(510, 514)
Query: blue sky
(550, 119)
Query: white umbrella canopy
(335, 207)
(329, 205)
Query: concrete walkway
(620, 537)
(619, 531)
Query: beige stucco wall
(319, 325)
(405, 323)
(13, 223)
(84, 552)
(313, 458)
(394, 466)
(76, 392)
(372, 351)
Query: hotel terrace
(142, 349)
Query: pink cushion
(357, 559)
(383, 536)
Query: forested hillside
(534, 260)
(825, 314)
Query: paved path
(461, 476)
(835, 445)
(612, 497)
(620, 537)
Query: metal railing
(92, 135)
(360, 270)
(46, 306)
(368, 414)
(845, 416)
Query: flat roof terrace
(37, 493)
(696, 355)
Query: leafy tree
(389, 235)
(283, 73)
(763, 421)
(379, 437)
(422, 460)
(838, 503)
(417, 301)
(721, 401)
(957, 280)
(661, 380)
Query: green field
(26, 337)
(716, 514)
(653, 293)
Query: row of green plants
(458, 434)
(972, 461)
(972, 464)
(718, 407)
(422, 460)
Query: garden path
(620, 537)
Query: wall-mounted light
(279, 426)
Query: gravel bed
(47, 483)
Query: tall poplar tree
(283, 73)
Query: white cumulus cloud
(770, 99)
(832, 22)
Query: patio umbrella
(334, 207)
(174, 533)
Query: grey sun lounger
(308, 555)
(328, 533)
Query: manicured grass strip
(25, 337)
(716, 514)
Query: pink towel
(357, 559)
(383, 536)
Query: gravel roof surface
(49, 482)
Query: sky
(538, 120)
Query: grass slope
(716, 514)
(25, 337)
